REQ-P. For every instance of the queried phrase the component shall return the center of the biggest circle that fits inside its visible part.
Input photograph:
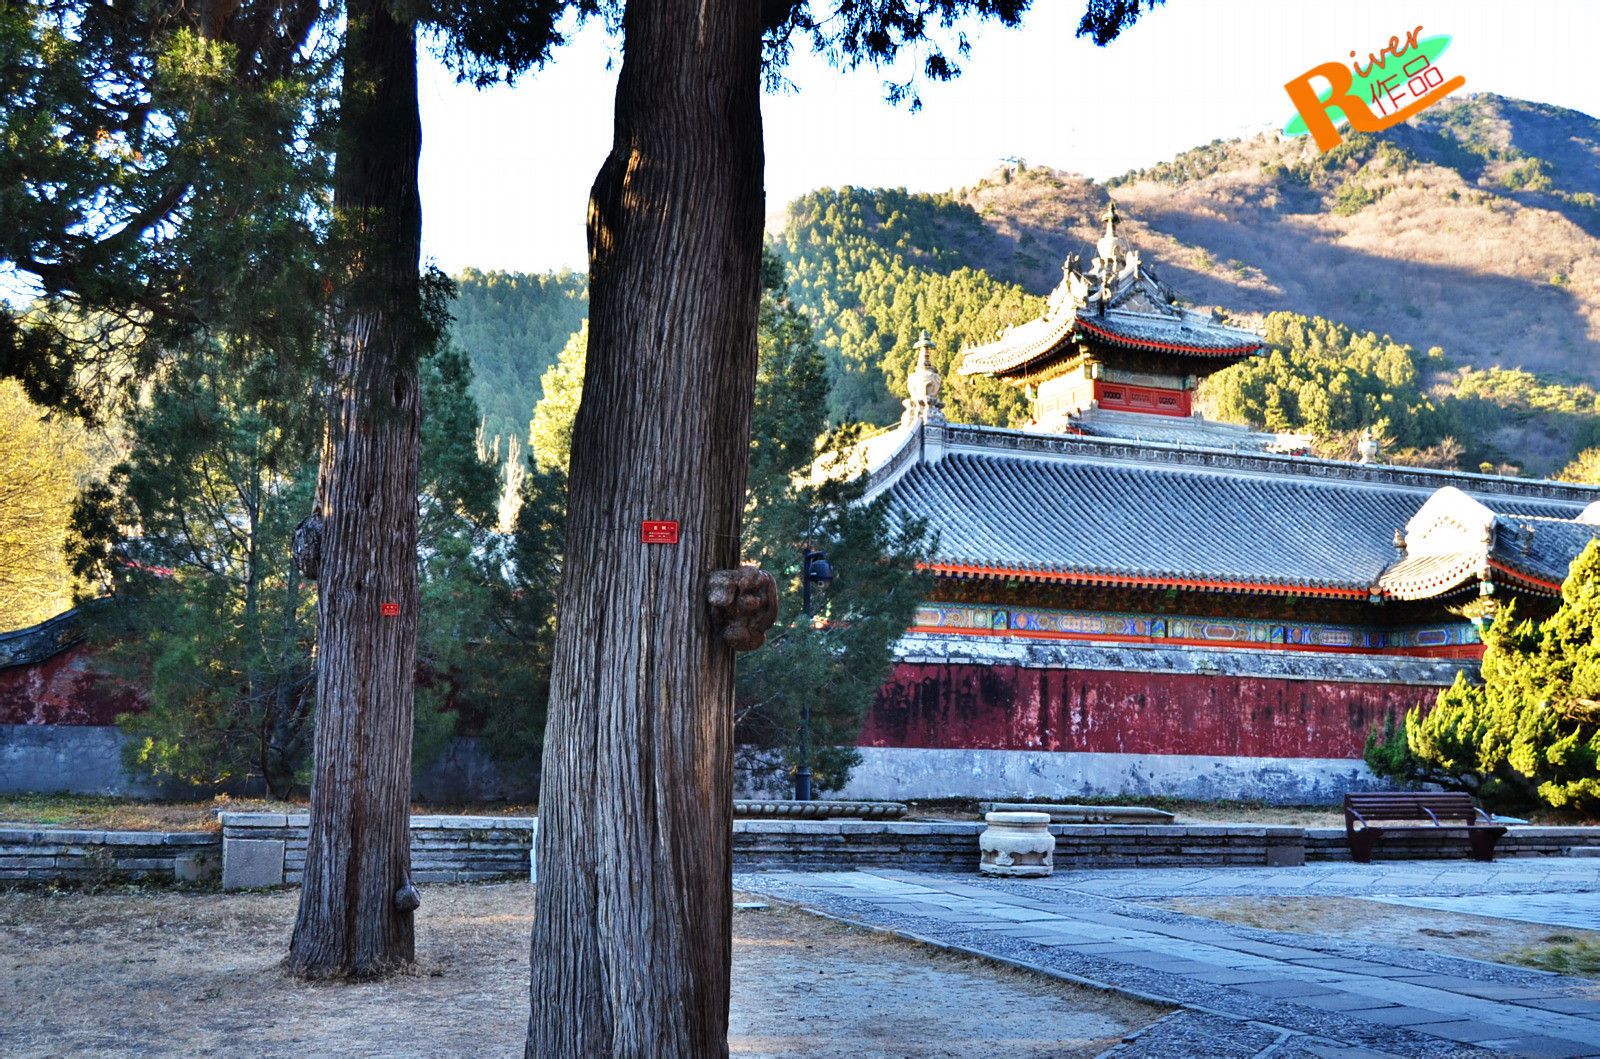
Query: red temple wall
(63, 689)
(984, 707)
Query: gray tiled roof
(1155, 518)
(1187, 431)
(1194, 332)
(1047, 336)
(1542, 547)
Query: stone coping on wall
(268, 849)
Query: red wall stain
(63, 689)
(980, 707)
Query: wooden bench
(1366, 817)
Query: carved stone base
(1017, 844)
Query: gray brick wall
(42, 855)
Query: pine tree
(1531, 730)
(191, 535)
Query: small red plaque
(659, 532)
(389, 610)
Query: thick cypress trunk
(359, 854)
(631, 940)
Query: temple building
(1130, 599)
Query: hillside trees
(511, 326)
(1322, 378)
(878, 267)
(1585, 468)
(1531, 731)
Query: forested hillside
(511, 326)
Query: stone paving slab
(1313, 996)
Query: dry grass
(1564, 954)
(161, 973)
(1454, 934)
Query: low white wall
(894, 773)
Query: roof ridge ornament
(1070, 294)
(922, 404)
(1111, 261)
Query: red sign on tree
(389, 610)
(655, 532)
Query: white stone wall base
(896, 773)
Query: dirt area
(159, 972)
(1475, 937)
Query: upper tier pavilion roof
(1014, 504)
(1118, 303)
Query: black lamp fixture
(815, 568)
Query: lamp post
(815, 568)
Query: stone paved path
(1244, 991)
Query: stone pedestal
(1017, 844)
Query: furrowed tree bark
(631, 940)
(359, 855)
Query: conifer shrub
(1530, 732)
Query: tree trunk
(631, 941)
(359, 853)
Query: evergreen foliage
(1531, 731)
(1585, 469)
(1322, 378)
(191, 536)
(161, 167)
(511, 326)
(550, 431)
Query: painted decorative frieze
(1241, 632)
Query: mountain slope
(1475, 227)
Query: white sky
(506, 171)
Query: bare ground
(163, 972)
(1475, 937)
